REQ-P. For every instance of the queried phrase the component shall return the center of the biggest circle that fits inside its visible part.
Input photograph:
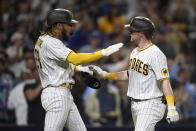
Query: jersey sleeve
(57, 50)
(159, 65)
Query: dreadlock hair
(48, 30)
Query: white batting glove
(85, 69)
(111, 49)
(172, 115)
(97, 70)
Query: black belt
(163, 100)
(137, 100)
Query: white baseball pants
(61, 110)
(147, 113)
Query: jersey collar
(145, 47)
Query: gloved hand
(97, 70)
(90, 80)
(111, 49)
(172, 115)
(84, 69)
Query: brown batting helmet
(141, 24)
(60, 16)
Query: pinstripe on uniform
(146, 68)
(61, 111)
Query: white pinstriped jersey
(50, 56)
(146, 68)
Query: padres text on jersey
(146, 68)
(139, 66)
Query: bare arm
(109, 75)
(167, 87)
(167, 90)
(122, 75)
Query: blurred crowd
(101, 23)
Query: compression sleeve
(170, 100)
(83, 58)
(111, 76)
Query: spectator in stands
(4, 14)
(180, 98)
(19, 68)
(176, 37)
(15, 50)
(184, 75)
(167, 48)
(4, 57)
(17, 100)
(81, 35)
(103, 106)
(6, 84)
(30, 67)
(107, 22)
(33, 97)
(78, 95)
(125, 102)
(94, 42)
(2, 40)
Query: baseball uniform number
(37, 59)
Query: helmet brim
(131, 29)
(127, 26)
(74, 21)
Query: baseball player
(56, 65)
(148, 78)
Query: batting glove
(97, 70)
(111, 49)
(84, 69)
(172, 115)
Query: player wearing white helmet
(147, 73)
(56, 65)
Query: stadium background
(100, 24)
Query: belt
(137, 100)
(163, 100)
(69, 86)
